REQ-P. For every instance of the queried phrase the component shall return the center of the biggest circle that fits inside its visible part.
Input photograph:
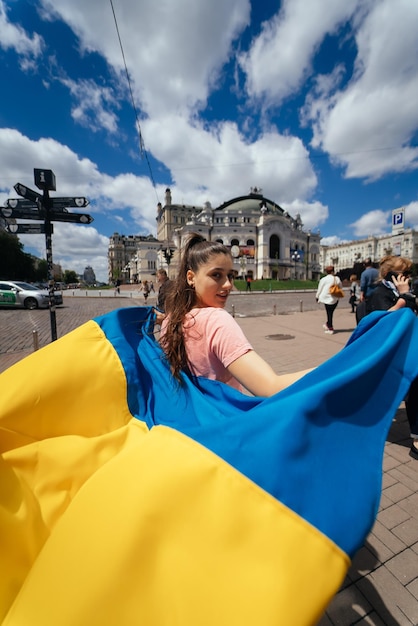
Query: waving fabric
(127, 498)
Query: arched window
(250, 242)
(219, 241)
(234, 242)
(274, 252)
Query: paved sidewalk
(381, 588)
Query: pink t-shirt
(213, 341)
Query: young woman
(391, 293)
(199, 336)
(326, 298)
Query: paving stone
(380, 549)
(348, 606)
(397, 492)
(393, 516)
(404, 566)
(413, 588)
(407, 531)
(392, 543)
(398, 475)
(394, 604)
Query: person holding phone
(391, 293)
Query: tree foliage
(70, 276)
(14, 263)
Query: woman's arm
(258, 377)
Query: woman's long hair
(181, 298)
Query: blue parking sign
(397, 218)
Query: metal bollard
(35, 340)
(100, 294)
(233, 310)
(301, 305)
(274, 310)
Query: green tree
(41, 270)
(14, 263)
(70, 276)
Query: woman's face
(213, 281)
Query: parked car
(18, 294)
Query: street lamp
(308, 237)
(296, 259)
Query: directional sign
(18, 203)
(62, 203)
(27, 193)
(27, 229)
(65, 216)
(21, 213)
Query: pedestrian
(117, 286)
(248, 283)
(151, 287)
(368, 281)
(392, 293)
(164, 283)
(200, 337)
(354, 292)
(324, 296)
(145, 290)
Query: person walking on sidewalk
(368, 281)
(354, 292)
(324, 297)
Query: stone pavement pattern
(381, 588)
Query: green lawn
(276, 285)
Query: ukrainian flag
(128, 499)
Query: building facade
(347, 254)
(265, 241)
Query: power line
(142, 149)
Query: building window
(274, 252)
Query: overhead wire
(142, 148)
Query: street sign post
(75, 218)
(21, 213)
(63, 203)
(28, 193)
(19, 203)
(46, 209)
(27, 229)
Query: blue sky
(315, 102)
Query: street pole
(46, 204)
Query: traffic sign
(62, 203)
(21, 212)
(65, 216)
(27, 193)
(27, 229)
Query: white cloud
(93, 105)
(280, 58)
(312, 213)
(367, 127)
(14, 37)
(373, 223)
(174, 50)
